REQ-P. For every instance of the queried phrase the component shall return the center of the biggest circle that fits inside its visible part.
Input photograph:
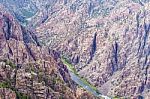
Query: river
(78, 80)
(84, 84)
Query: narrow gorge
(75, 49)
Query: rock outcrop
(28, 70)
(108, 41)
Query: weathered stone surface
(7, 94)
(108, 41)
(28, 70)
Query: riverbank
(72, 69)
(82, 82)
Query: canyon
(106, 41)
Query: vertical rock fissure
(137, 20)
(7, 28)
(146, 28)
(34, 37)
(114, 60)
(93, 48)
(27, 39)
(142, 44)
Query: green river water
(82, 82)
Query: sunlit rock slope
(28, 70)
(108, 41)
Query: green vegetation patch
(88, 83)
(8, 62)
(21, 96)
(5, 84)
(69, 65)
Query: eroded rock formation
(28, 70)
(108, 41)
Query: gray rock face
(108, 41)
(28, 70)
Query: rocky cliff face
(108, 41)
(28, 70)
